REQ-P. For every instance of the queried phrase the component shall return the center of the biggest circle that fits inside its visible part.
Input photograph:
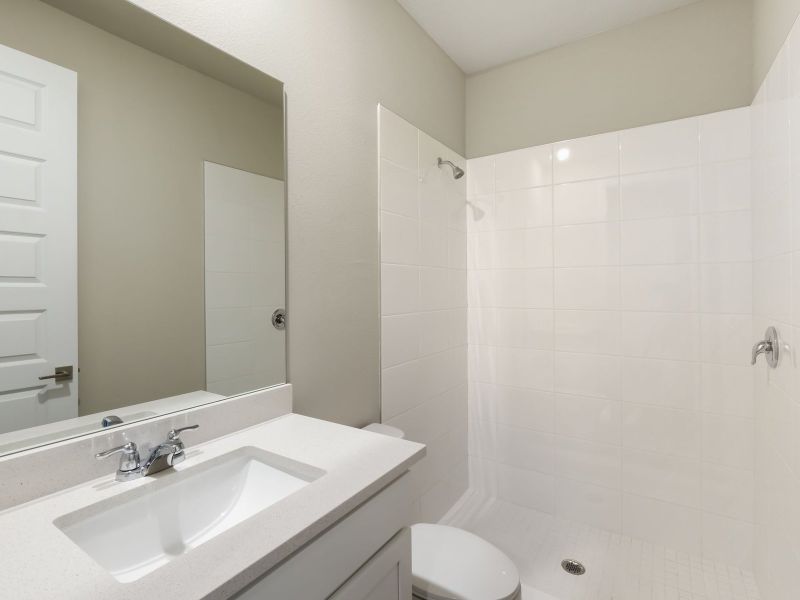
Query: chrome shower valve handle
(770, 347)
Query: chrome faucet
(167, 454)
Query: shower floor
(617, 567)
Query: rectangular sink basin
(135, 533)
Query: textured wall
(338, 60)
(690, 61)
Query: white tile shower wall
(245, 264)
(424, 308)
(776, 301)
(609, 329)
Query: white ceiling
(480, 34)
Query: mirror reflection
(142, 212)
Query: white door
(245, 280)
(38, 240)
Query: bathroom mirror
(142, 221)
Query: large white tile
(591, 504)
(660, 241)
(399, 189)
(480, 250)
(229, 254)
(399, 241)
(523, 288)
(591, 157)
(480, 214)
(524, 448)
(456, 249)
(481, 287)
(399, 339)
(530, 167)
(674, 526)
(480, 176)
(667, 383)
(663, 477)
(726, 338)
(725, 135)
(530, 409)
(434, 288)
(587, 288)
(229, 290)
(399, 289)
(728, 441)
(227, 361)
(524, 248)
(433, 245)
(587, 461)
(669, 288)
(482, 326)
(726, 287)
(526, 488)
(226, 325)
(593, 201)
(727, 389)
(661, 430)
(434, 331)
(587, 375)
(725, 237)
(728, 540)
(729, 492)
(659, 194)
(522, 209)
(661, 335)
(457, 288)
(725, 186)
(593, 419)
(398, 140)
(663, 146)
(524, 328)
(524, 368)
(400, 389)
(596, 332)
(587, 245)
(772, 287)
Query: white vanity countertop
(40, 562)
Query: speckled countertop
(40, 562)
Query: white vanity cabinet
(386, 576)
(364, 556)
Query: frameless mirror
(142, 220)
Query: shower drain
(573, 567)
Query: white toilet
(448, 563)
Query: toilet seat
(448, 563)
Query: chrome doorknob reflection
(279, 319)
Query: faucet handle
(129, 461)
(174, 435)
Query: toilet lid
(453, 564)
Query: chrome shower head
(458, 172)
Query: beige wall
(772, 21)
(689, 61)
(338, 60)
(146, 125)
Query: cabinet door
(386, 576)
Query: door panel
(38, 240)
